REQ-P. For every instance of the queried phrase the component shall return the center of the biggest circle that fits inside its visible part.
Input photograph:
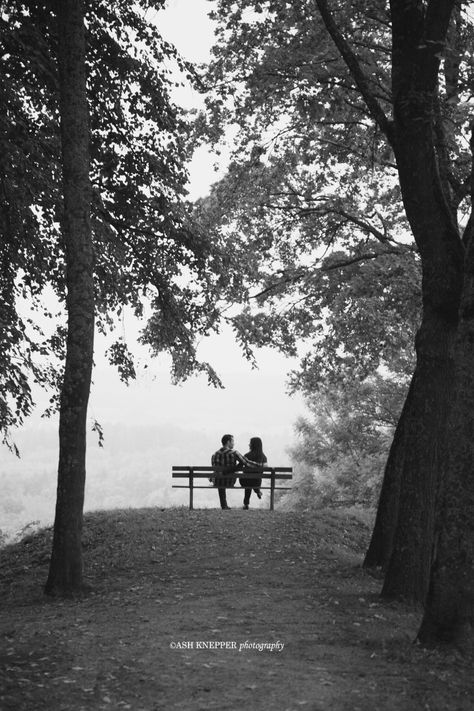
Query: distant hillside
(132, 469)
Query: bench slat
(213, 469)
(199, 486)
(235, 475)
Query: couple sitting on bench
(228, 461)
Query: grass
(168, 583)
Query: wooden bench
(274, 474)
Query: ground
(301, 624)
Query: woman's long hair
(256, 449)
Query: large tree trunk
(436, 233)
(65, 574)
(449, 613)
(403, 531)
(442, 395)
(405, 527)
(381, 543)
(415, 65)
(407, 574)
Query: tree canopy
(144, 237)
(311, 200)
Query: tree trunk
(403, 531)
(419, 33)
(436, 233)
(449, 613)
(381, 543)
(418, 40)
(408, 571)
(65, 574)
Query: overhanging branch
(339, 264)
(375, 109)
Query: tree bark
(417, 41)
(66, 568)
(408, 570)
(381, 542)
(404, 527)
(449, 612)
(402, 536)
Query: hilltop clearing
(211, 609)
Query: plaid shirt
(229, 460)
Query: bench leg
(272, 490)
(191, 480)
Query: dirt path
(183, 605)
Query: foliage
(313, 187)
(346, 439)
(310, 205)
(143, 234)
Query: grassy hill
(215, 609)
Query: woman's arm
(253, 465)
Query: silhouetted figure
(255, 455)
(228, 461)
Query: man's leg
(247, 497)
(222, 497)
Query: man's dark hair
(226, 438)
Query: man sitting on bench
(228, 461)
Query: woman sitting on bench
(255, 455)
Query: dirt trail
(183, 604)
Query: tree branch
(355, 260)
(355, 70)
(341, 264)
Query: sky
(152, 424)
